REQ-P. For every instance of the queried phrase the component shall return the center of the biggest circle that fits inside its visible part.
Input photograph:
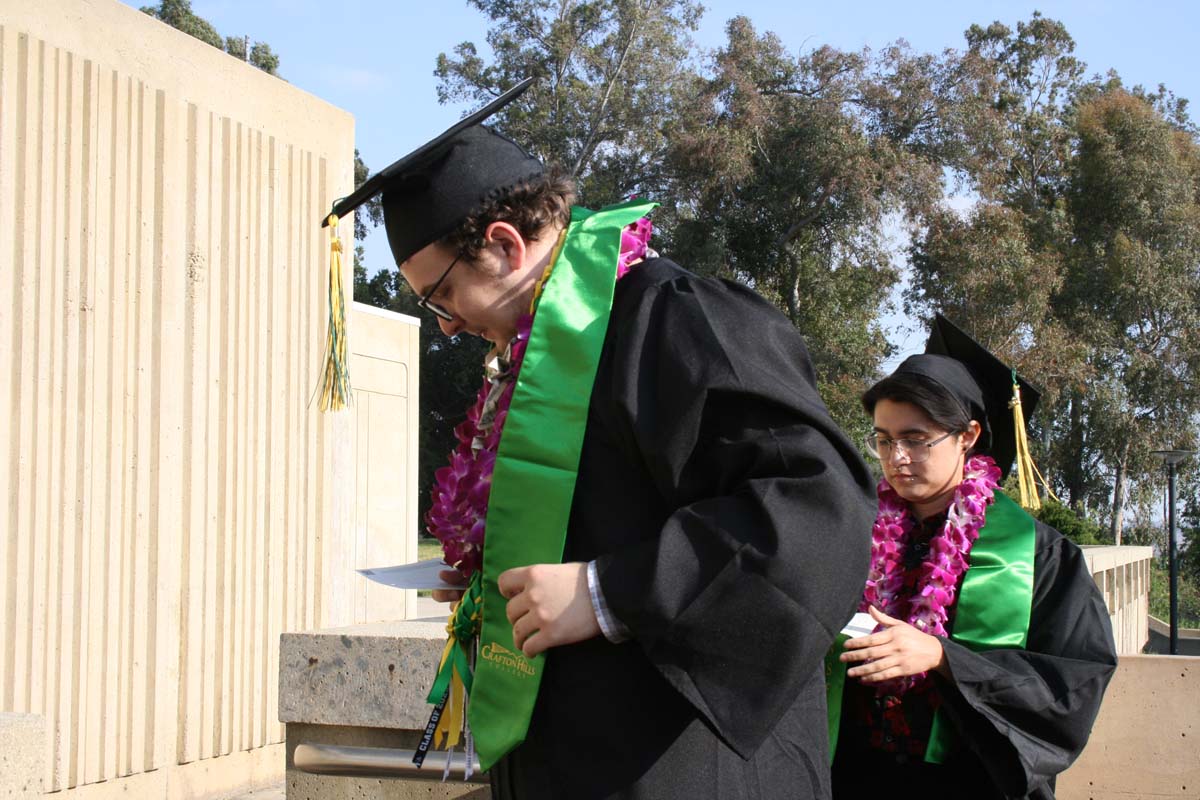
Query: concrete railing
(1123, 576)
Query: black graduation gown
(1022, 715)
(730, 520)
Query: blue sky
(375, 58)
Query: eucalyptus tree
(610, 72)
(794, 172)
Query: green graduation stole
(992, 611)
(533, 481)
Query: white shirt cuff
(614, 630)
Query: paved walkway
(275, 792)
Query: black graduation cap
(432, 190)
(980, 382)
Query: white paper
(861, 624)
(421, 575)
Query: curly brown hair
(529, 206)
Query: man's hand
(894, 652)
(548, 605)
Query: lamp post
(1171, 458)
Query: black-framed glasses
(433, 308)
(917, 450)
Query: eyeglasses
(917, 451)
(434, 308)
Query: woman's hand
(894, 652)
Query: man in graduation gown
(717, 533)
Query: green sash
(534, 477)
(992, 611)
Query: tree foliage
(369, 212)
(179, 15)
(609, 74)
(1189, 530)
(1078, 529)
(1054, 215)
(1078, 262)
(1132, 293)
(785, 172)
(1188, 603)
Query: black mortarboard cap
(980, 382)
(432, 190)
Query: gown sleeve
(765, 547)
(1027, 714)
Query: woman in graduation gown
(993, 646)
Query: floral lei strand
(928, 609)
(460, 494)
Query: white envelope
(861, 624)
(421, 575)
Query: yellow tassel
(541, 283)
(450, 726)
(1026, 469)
(335, 378)
(448, 732)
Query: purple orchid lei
(928, 609)
(462, 488)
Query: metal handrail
(381, 762)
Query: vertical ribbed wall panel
(162, 301)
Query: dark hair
(926, 394)
(529, 206)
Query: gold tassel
(1026, 469)
(450, 726)
(335, 378)
(448, 732)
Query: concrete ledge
(1107, 556)
(22, 755)
(1144, 741)
(369, 683)
(365, 686)
(374, 675)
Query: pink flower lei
(460, 495)
(927, 610)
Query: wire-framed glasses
(434, 308)
(917, 450)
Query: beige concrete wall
(1144, 741)
(383, 368)
(171, 503)
(1123, 576)
(22, 755)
